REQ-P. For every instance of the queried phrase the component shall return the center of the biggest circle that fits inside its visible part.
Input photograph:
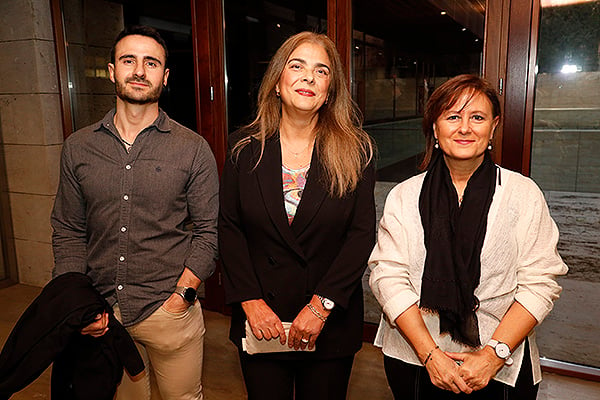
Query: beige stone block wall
(29, 66)
(32, 169)
(35, 262)
(31, 216)
(31, 119)
(30, 132)
(25, 19)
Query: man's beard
(148, 98)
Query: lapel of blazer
(312, 197)
(268, 173)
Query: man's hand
(175, 304)
(97, 328)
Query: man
(129, 186)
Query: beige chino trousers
(172, 346)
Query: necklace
(299, 153)
(125, 142)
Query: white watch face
(328, 304)
(502, 350)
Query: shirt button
(125, 197)
(123, 229)
(128, 166)
(120, 287)
(121, 258)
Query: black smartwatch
(187, 293)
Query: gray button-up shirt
(124, 218)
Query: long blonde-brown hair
(344, 148)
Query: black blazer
(324, 251)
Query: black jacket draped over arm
(84, 367)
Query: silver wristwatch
(326, 303)
(502, 351)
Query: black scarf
(453, 239)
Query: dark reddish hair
(445, 97)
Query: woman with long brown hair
(296, 227)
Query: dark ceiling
(417, 26)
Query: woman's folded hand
(264, 322)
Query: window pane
(400, 56)
(253, 33)
(91, 27)
(565, 163)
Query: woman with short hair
(465, 262)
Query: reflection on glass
(253, 32)
(91, 27)
(400, 57)
(565, 163)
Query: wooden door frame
(494, 60)
(62, 63)
(211, 112)
(521, 45)
(209, 74)
(339, 30)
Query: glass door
(253, 32)
(399, 57)
(565, 164)
(91, 27)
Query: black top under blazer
(324, 251)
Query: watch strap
(494, 344)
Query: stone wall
(30, 131)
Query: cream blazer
(519, 262)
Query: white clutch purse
(252, 345)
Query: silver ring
(304, 340)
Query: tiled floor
(222, 376)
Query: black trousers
(270, 379)
(411, 382)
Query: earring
(277, 93)
(490, 147)
(437, 144)
(327, 100)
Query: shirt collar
(161, 123)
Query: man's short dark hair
(141, 30)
